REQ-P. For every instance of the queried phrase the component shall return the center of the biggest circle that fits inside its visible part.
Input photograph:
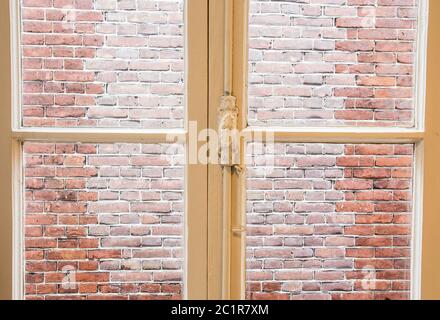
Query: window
(103, 64)
(324, 64)
(333, 221)
(330, 221)
(200, 149)
(333, 203)
(103, 94)
(103, 221)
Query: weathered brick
(309, 242)
(74, 226)
(83, 41)
(370, 46)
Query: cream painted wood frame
(425, 136)
(13, 135)
(215, 198)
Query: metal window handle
(229, 137)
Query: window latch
(229, 137)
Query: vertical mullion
(238, 181)
(16, 66)
(215, 199)
(196, 174)
(417, 220)
(420, 65)
(6, 160)
(18, 267)
(431, 206)
(227, 172)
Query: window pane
(103, 221)
(332, 63)
(103, 63)
(329, 221)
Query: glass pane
(103, 221)
(332, 63)
(329, 221)
(103, 63)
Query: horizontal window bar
(95, 135)
(337, 135)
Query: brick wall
(103, 221)
(108, 218)
(327, 62)
(106, 63)
(330, 221)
